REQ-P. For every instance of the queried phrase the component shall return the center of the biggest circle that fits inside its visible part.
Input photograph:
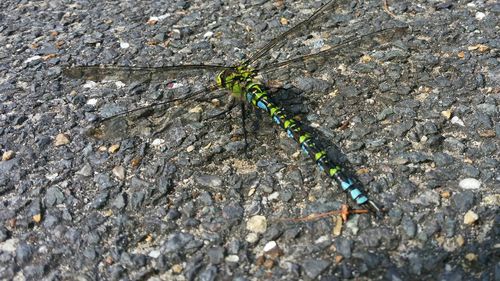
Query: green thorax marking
(236, 80)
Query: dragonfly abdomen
(257, 96)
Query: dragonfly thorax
(236, 80)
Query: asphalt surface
(414, 117)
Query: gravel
(416, 119)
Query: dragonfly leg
(243, 126)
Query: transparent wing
(349, 47)
(300, 27)
(144, 121)
(128, 74)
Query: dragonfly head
(235, 79)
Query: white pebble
(257, 224)
(154, 254)
(480, 15)
(120, 84)
(9, 246)
(469, 183)
(89, 84)
(457, 121)
(124, 45)
(273, 196)
(232, 258)
(252, 238)
(270, 245)
(33, 58)
(158, 142)
(209, 34)
(92, 102)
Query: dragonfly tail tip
(374, 208)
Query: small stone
(37, 218)
(92, 102)
(209, 181)
(252, 238)
(216, 255)
(470, 217)
(177, 268)
(257, 224)
(7, 155)
(208, 34)
(460, 240)
(487, 133)
(119, 172)
(154, 254)
(493, 199)
(446, 114)
(85, 171)
(480, 15)
(190, 148)
(313, 268)
(471, 257)
(457, 121)
(273, 196)
(232, 258)
(338, 258)
(157, 142)
(480, 47)
(270, 246)
(470, 183)
(114, 148)
(9, 246)
(445, 194)
(61, 139)
(124, 45)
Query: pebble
(252, 238)
(471, 257)
(492, 200)
(313, 268)
(23, 253)
(61, 139)
(114, 148)
(457, 121)
(232, 258)
(469, 183)
(208, 34)
(92, 102)
(257, 224)
(154, 254)
(9, 245)
(157, 142)
(480, 15)
(209, 181)
(85, 171)
(273, 196)
(344, 247)
(463, 201)
(7, 155)
(119, 172)
(470, 217)
(446, 114)
(54, 196)
(270, 246)
(216, 255)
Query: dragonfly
(242, 82)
